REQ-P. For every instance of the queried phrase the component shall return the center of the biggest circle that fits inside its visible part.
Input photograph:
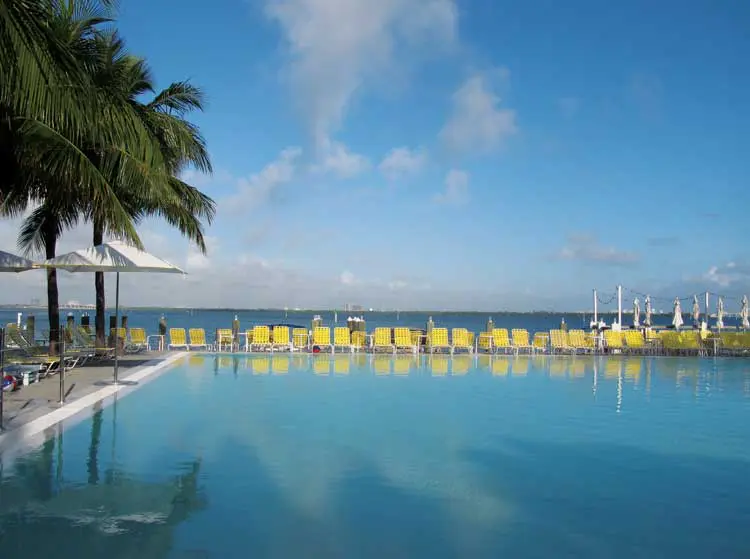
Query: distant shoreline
(83, 308)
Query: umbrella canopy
(745, 313)
(696, 310)
(677, 320)
(115, 256)
(12, 263)
(636, 313)
(720, 313)
(647, 320)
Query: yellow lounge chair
(484, 343)
(224, 339)
(85, 342)
(28, 353)
(404, 340)
(138, 340)
(322, 337)
(177, 339)
(521, 340)
(634, 341)
(580, 342)
(281, 339)
(540, 343)
(261, 338)
(382, 340)
(197, 338)
(501, 341)
(461, 340)
(613, 340)
(359, 340)
(300, 338)
(120, 332)
(559, 342)
(438, 339)
(342, 338)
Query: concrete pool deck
(37, 406)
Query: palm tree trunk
(101, 302)
(53, 303)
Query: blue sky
(457, 153)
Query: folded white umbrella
(677, 320)
(696, 310)
(117, 257)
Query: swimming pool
(376, 456)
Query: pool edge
(11, 439)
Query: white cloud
(730, 274)
(196, 260)
(456, 188)
(477, 123)
(338, 47)
(586, 248)
(338, 160)
(256, 190)
(402, 161)
(347, 278)
(204, 181)
(397, 284)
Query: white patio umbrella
(677, 320)
(720, 313)
(647, 320)
(696, 311)
(12, 263)
(636, 313)
(117, 257)
(745, 313)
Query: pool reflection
(635, 370)
(64, 501)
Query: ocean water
(375, 456)
(210, 320)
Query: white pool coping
(17, 441)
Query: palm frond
(179, 98)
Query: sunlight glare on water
(379, 456)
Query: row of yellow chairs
(278, 338)
(395, 340)
(500, 341)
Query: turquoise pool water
(313, 456)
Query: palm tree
(44, 117)
(179, 142)
(64, 142)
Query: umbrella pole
(117, 320)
